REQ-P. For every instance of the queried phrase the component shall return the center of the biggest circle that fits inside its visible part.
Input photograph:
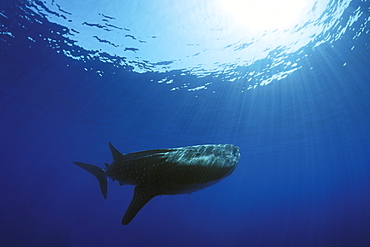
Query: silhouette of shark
(166, 171)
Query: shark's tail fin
(99, 174)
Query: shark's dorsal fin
(115, 153)
(141, 197)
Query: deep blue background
(303, 178)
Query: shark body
(166, 171)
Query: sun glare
(263, 15)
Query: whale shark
(168, 171)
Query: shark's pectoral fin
(141, 197)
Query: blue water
(300, 116)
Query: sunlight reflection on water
(198, 38)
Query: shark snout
(233, 150)
(227, 154)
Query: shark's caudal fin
(99, 174)
(141, 197)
